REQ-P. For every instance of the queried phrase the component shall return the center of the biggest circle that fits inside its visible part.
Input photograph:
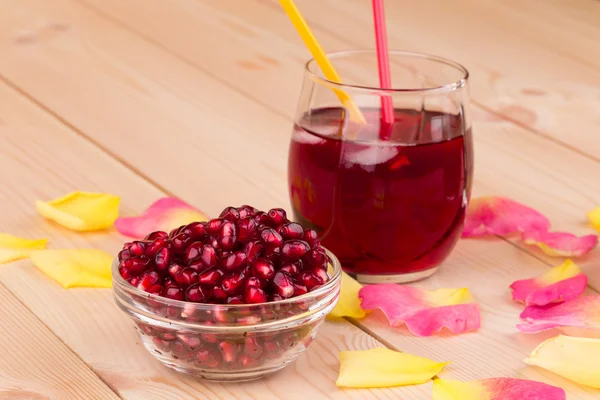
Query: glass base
(228, 376)
(396, 278)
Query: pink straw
(383, 61)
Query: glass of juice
(388, 199)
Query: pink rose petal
(496, 389)
(562, 283)
(424, 312)
(561, 244)
(162, 215)
(501, 216)
(583, 312)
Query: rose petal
(574, 358)
(162, 215)
(561, 283)
(583, 312)
(594, 217)
(349, 303)
(495, 389)
(424, 312)
(14, 248)
(382, 367)
(501, 216)
(560, 244)
(75, 267)
(81, 211)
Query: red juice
(383, 208)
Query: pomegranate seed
(309, 280)
(162, 259)
(291, 230)
(155, 246)
(282, 284)
(228, 236)
(230, 214)
(209, 256)
(255, 295)
(169, 281)
(311, 237)
(252, 348)
(214, 226)
(156, 235)
(176, 231)
(174, 292)
(210, 277)
(186, 277)
(246, 211)
(192, 342)
(219, 294)
(162, 345)
(299, 289)
(233, 282)
(249, 320)
(234, 261)
(229, 352)
(124, 255)
(197, 293)
(254, 281)
(197, 266)
(322, 274)
(182, 352)
(222, 315)
(260, 217)
(271, 349)
(253, 250)
(246, 229)
(292, 250)
(274, 297)
(208, 357)
(135, 266)
(154, 289)
(271, 238)
(180, 242)
(316, 257)
(277, 216)
(137, 248)
(193, 252)
(174, 269)
(235, 300)
(134, 281)
(291, 268)
(263, 269)
(247, 362)
(196, 230)
(147, 280)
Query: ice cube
(367, 156)
(307, 138)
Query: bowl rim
(125, 286)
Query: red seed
(180, 242)
(197, 294)
(147, 280)
(186, 277)
(228, 236)
(255, 295)
(214, 226)
(193, 252)
(248, 362)
(157, 235)
(174, 292)
(219, 294)
(246, 229)
(271, 238)
(196, 230)
(137, 248)
(124, 255)
(253, 250)
(155, 289)
(234, 261)
(292, 250)
(162, 259)
(210, 277)
(174, 269)
(230, 214)
(254, 281)
(198, 266)
(322, 274)
(291, 268)
(208, 358)
(235, 300)
(134, 281)
(311, 237)
(154, 247)
(135, 266)
(209, 256)
(316, 257)
(274, 297)
(263, 269)
(291, 230)
(282, 283)
(192, 342)
(246, 211)
(229, 352)
(299, 289)
(233, 282)
(277, 216)
(310, 280)
(252, 348)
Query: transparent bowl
(227, 342)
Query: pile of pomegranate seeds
(245, 256)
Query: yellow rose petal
(14, 248)
(75, 267)
(594, 217)
(444, 389)
(82, 211)
(382, 367)
(349, 303)
(574, 358)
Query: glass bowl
(228, 342)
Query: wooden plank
(35, 364)
(564, 191)
(179, 84)
(88, 320)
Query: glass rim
(448, 87)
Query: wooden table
(146, 98)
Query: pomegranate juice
(383, 208)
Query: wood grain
(564, 191)
(35, 364)
(87, 320)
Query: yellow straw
(320, 57)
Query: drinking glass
(388, 200)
